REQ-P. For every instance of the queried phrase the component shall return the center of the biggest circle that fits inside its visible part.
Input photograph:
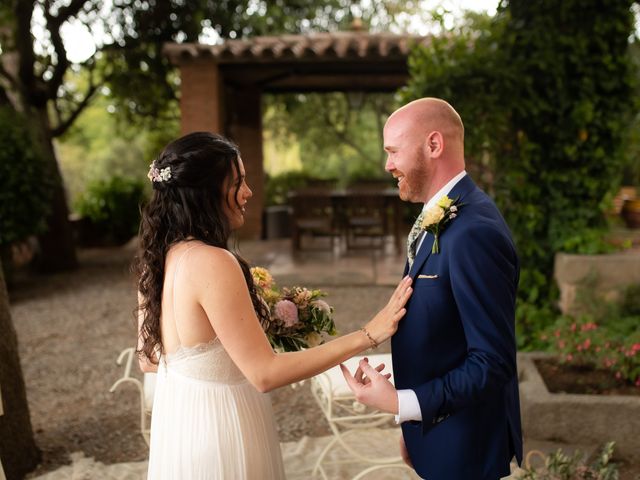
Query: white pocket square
(428, 276)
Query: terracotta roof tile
(335, 46)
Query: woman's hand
(385, 323)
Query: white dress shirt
(408, 405)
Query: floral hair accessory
(438, 217)
(158, 175)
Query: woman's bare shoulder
(207, 260)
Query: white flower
(165, 174)
(453, 208)
(156, 175)
(322, 305)
(452, 216)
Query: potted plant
(631, 212)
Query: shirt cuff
(408, 407)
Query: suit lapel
(460, 190)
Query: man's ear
(435, 144)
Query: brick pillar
(201, 102)
(245, 128)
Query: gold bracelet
(374, 344)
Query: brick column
(245, 128)
(201, 102)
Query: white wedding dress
(209, 422)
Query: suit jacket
(456, 347)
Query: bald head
(428, 114)
(424, 141)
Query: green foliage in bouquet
(298, 316)
(559, 466)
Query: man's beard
(413, 188)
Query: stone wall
(605, 275)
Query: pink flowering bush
(298, 316)
(607, 336)
(611, 346)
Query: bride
(200, 320)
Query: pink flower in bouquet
(322, 305)
(287, 312)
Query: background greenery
(25, 184)
(547, 91)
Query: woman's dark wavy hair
(189, 205)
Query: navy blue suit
(456, 347)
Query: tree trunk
(18, 450)
(57, 245)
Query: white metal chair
(347, 417)
(145, 388)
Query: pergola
(221, 85)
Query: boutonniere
(438, 217)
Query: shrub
(113, 207)
(559, 466)
(25, 185)
(607, 337)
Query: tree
(34, 85)
(340, 137)
(25, 189)
(18, 449)
(129, 59)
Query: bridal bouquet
(298, 317)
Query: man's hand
(374, 390)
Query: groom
(454, 354)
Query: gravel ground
(71, 327)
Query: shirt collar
(444, 190)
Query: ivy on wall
(546, 91)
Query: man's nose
(389, 166)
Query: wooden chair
(313, 214)
(365, 213)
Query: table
(345, 213)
